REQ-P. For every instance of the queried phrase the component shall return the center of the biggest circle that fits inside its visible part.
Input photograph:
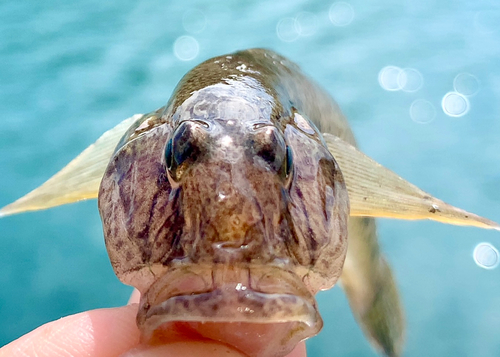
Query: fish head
(219, 213)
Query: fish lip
(229, 294)
(225, 305)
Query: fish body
(233, 205)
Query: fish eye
(168, 154)
(288, 162)
(181, 149)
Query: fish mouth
(236, 305)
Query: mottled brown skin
(226, 205)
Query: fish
(238, 201)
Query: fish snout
(238, 228)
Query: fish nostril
(269, 145)
(235, 221)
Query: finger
(299, 351)
(96, 333)
(185, 348)
(103, 333)
(135, 297)
(108, 333)
(199, 348)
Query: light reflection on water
(306, 24)
(287, 30)
(410, 80)
(455, 104)
(341, 13)
(388, 78)
(186, 48)
(486, 256)
(194, 21)
(422, 111)
(393, 78)
(466, 84)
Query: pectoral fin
(375, 191)
(370, 287)
(79, 180)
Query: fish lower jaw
(230, 306)
(259, 313)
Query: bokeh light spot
(486, 256)
(186, 48)
(388, 78)
(486, 22)
(422, 111)
(410, 80)
(194, 21)
(455, 104)
(341, 13)
(286, 30)
(306, 24)
(466, 84)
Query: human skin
(110, 333)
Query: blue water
(71, 70)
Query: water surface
(70, 71)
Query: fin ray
(79, 180)
(375, 191)
(369, 284)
